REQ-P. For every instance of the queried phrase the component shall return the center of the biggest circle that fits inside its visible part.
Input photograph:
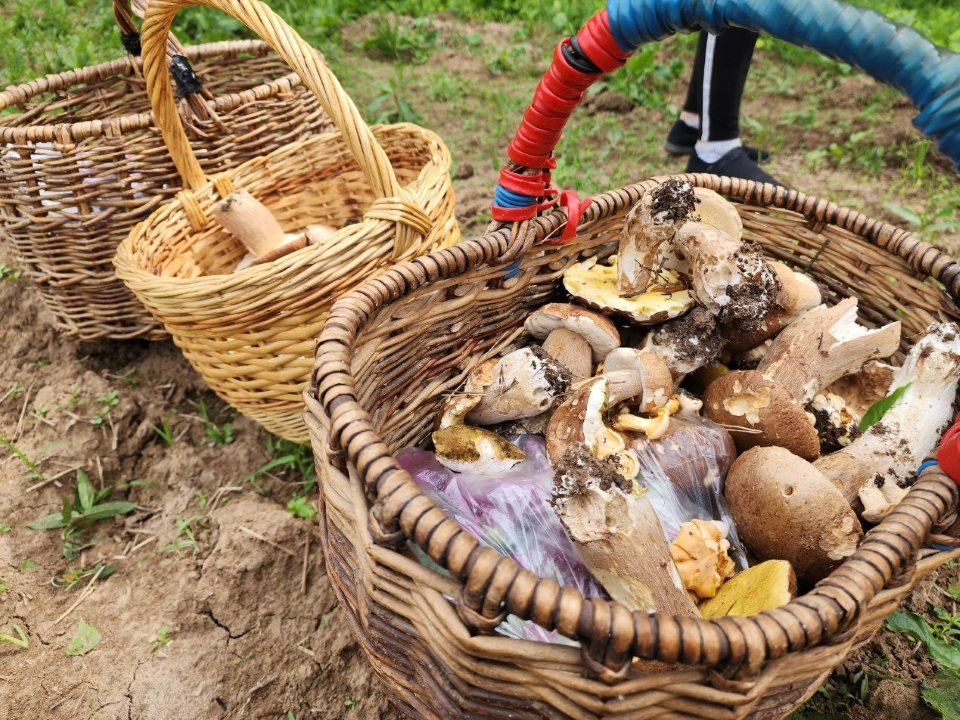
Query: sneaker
(736, 163)
(683, 138)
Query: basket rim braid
(228, 324)
(494, 586)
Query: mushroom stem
(571, 350)
(888, 453)
(654, 428)
(618, 535)
(249, 220)
(823, 345)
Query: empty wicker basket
(81, 163)
(251, 334)
(394, 348)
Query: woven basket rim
(125, 123)
(824, 613)
(129, 270)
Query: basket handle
(894, 54)
(394, 202)
(123, 12)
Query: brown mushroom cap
(592, 327)
(655, 385)
(785, 509)
(746, 399)
(714, 210)
(566, 422)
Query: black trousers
(719, 75)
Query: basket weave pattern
(252, 334)
(397, 345)
(82, 163)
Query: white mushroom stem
(619, 538)
(570, 350)
(645, 230)
(639, 376)
(524, 383)
(823, 345)
(888, 453)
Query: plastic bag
(692, 459)
(510, 513)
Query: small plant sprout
(71, 577)
(4, 527)
(41, 363)
(217, 434)
(33, 464)
(106, 404)
(80, 513)
(201, 498)
(127, 377)
(20, 640)
(15, 391)
(185, 539)
(349, 703)
(161, 638)
(85, 639)
(165, 431)
(287, 457)
(301, 508)
(9, 273)
(242, 658)
(27, 564)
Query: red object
(575, 207)
(598, 44)
(949, 453)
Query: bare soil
(254, 627)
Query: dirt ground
(253, 627)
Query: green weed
(389, 106)
(217, 434)
(165, 430)
(185, 540)
(287, 457)
(161, 638)
(70, 577)
(33, 464)
(405, 41)
(20, 640)
(9, 273)
(107, 403)
(300, 507)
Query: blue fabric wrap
(510, 199)
(890, 52)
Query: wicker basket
(251, 334)
(81, 164)
(395, 346)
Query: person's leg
(685, 132)
(719, 150)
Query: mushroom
(786, 509)
(729, 276)
(765, 407)
(580, 419)
(650, 224)
(700, 552)
(595, 285)
(642, 378)
(249, 220)
(525, 383)
(797, 294)
(763, 587)
(617, 534)
(835, 425)
(454, 409)
(862, 390)
(573, 336)
(654, 428)
(718, 212)
(463, 448)
(687, 343)
(878, 465)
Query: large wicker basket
(393, 348)
(81, 163)
(251, 334)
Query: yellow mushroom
(654, 428)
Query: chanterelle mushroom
(525, 383)
(700, 552)
(883, 461)
(573, 336)
(765, 407)
(617, 534)
(784, 508)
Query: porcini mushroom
(573, 336)
(765, 407)
(716, 211)
(729, 276)
(525, 383)
(863, 389)
(648, 381)
(785, 509)
(687, 343)
(454, 409)
(249, 220)
(617, 534)
(595, 285)
(463, 448)
(880, 464)
(700, 552)
(650, 224)
(763, 587)
(835, 425)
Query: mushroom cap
(656, 381)
(714, 210)
(746, 399)
(525, 383)
(592, 327)
(580, 420)
(463, 448)
(862, 390)
(785, 509)
(798, 292)
(763, 587)
(595, 285)
(687, 343)
(457, 405)
(700, 552)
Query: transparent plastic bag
(510, 513)
(692, 459)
